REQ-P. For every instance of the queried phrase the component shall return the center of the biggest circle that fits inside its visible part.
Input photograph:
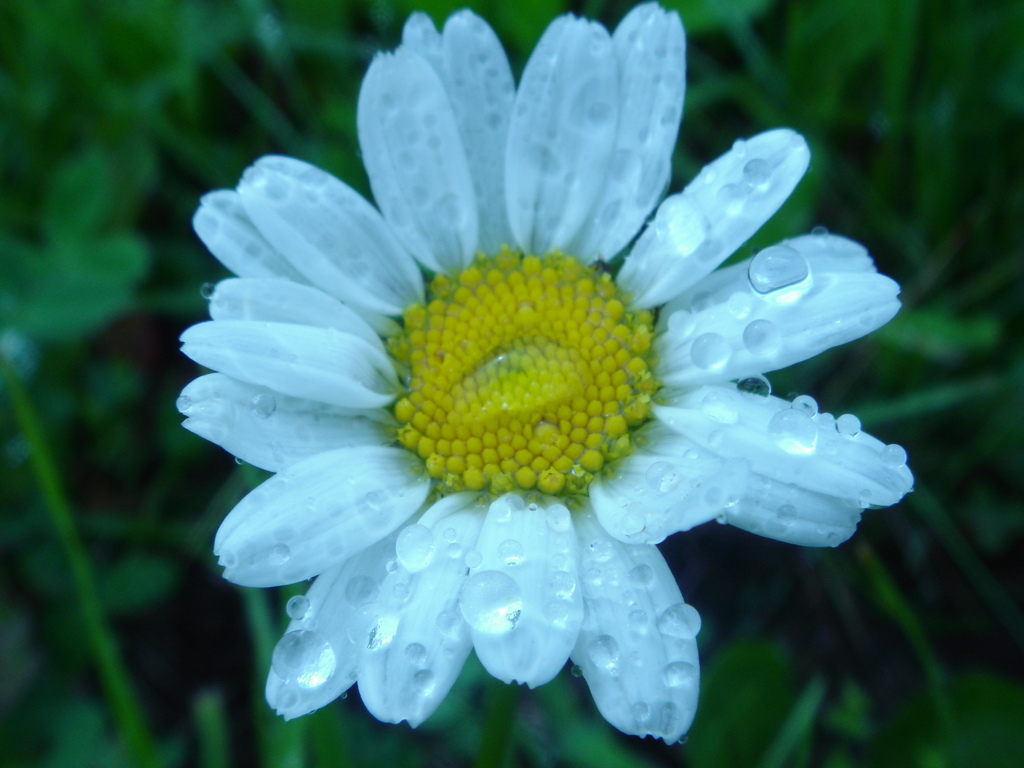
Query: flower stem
(501, 714)
(121, 699)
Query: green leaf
(707, 15)
(137, 582)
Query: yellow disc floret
(524, 372)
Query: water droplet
(297, 607)
(718, 405)
(806, 403)
(755, 385)
(361, 590)
(382, 632)
(473, 558)
(641, 575)
(681, 324)
(454, 550)
(183, 404)
(263, 405)
(603, 652)
(893, 456)
(558, 517)
(848, 425)
(678, 673)
(710, 351)
(794, 431)
(450, 534)
(511, 551)
(206, 290)
(787, 512)
(680, 620)
(756, 172)
(448, 623)
(423, 682)
(562, 584)
(739, 305)
(279, 554)
(416, 653)
(557, 612)
(305, 658)
(778, 267)
(602, 550)
(637, 620)
(662, 476)
(731, 197)
(576, 670)
(820, 231)
(491, 602)
(641, 712)
(762, 337)
(414, 547)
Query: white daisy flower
(478, 434)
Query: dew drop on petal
(491, 602)
(641, 711)
(641, 575)
(603, 652)
(562, 584)
(894, 456)
(576, 670)
(710, 351)
(454, 550)
(448, 623)
(794, 431)
(305, 658)
(777, 267)
(662, 476)
(416, 653)
(756, 172)
(474, 558)
(361, 590)
(558, 517)
(263, 405)
(755, 385)
(423, 682)
(414, 547)
(680, 620)
(511, 552)
(183, 404)
(279, 554)
(678, 673)
(731, 197)
(806, 403)
(719, 406)
(848, 425)
(206, 290)
(762, 337)
(297, 607)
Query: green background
(120, 645)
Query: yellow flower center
(524, 372)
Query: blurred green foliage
(902, 648)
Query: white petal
(318, 657)
(651, 50)
(420, 35)
(668, 485)
(416, 162)
(330, 234)
(735, 330)
(226, 229)
(418, 640)
(696, 230)
(270, 430)
(562, 133)
(521, 602)
(637, 647)
(282, 301)
(314, 363)
(784, 442)
(317, 513)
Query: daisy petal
(331, 234)
(317, 513)
(668, 485)
(317, 658)
(522, 603)
(790, 443)
(561, 136)
(416, 162)
(788, 303)
(314, 363)
(637, 647)
(696, 230)
(420, 35)
(418, 641)
(269, 430)
(651, 50)
(282, 301)
(226, 229)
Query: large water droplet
(297, 607)
(603, 651)
(305, 658)
(794, 431)
(680, 620)
(263, 405)
(778, 267)
(710, 351)
(678, 673)
(491, 602)
(762, 337)
(755, 385)
(414, 547)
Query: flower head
(479, 433)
